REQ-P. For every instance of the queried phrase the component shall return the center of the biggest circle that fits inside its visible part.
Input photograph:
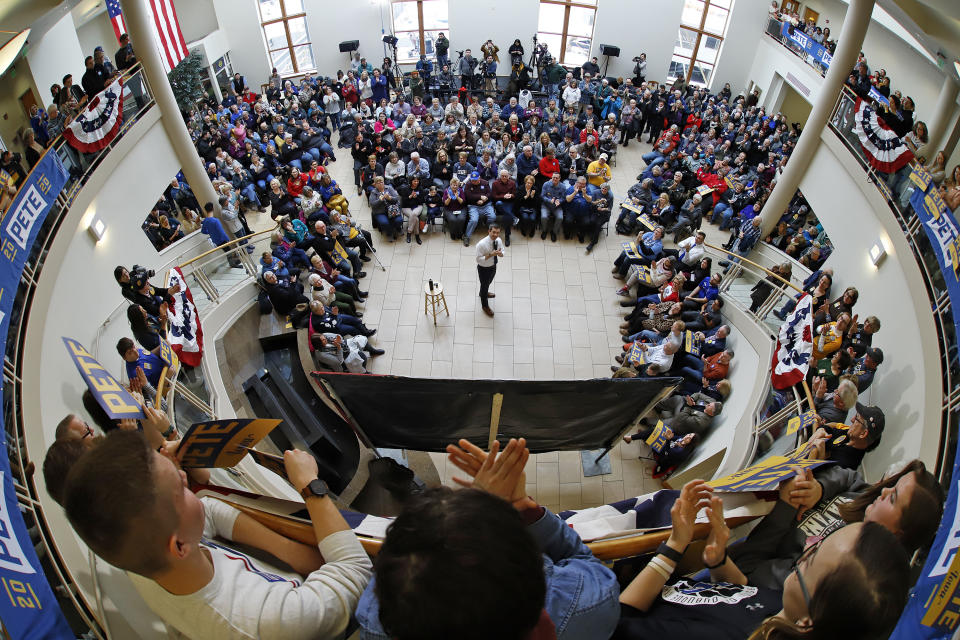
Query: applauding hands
(501, 475)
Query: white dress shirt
(485, 247)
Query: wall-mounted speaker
(610, 50)
(349, 45)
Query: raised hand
(716, 546)
(502, 475)
(683, 514)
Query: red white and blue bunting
(99, 122)
(791, 360)
(886, 151)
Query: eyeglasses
(804, 559)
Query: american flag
(166, 30)
(116, 18)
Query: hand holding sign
(221, 443)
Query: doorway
(809, 15)
(789, 6)
(28, 100)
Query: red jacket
(548, 166)
(712, 180)
(295, 187)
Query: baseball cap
(875, 354)
(475, 175)
(604, 156)
(873, 417)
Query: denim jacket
(582, 594)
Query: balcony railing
(81, 614)
(841, 123)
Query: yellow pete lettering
(216, 427)
(89, 366)
(105, 384)
(118, 404)
(77, 349)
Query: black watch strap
(315, 489)
(669, 552)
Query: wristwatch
(316, 489)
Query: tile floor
(568, 296)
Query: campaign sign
(28, 607)
(636, 355)
(803, 421)
(221, 443)
(168, 355)
(764, 476)
(270, 461)
(110, 394)
(933, 610)
(811, 47)
(691, 343)
(643, 274)
(630, 248)
(658, 437)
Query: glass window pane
(716, 20)
(686, 39)
(430, 38)
(408, 46)
(276, 35)
(405, 16)
(298, 31)
(435, 15)
(578, 50)
(679, 66)
(692, 13)
(281, 60)
(304, 56)
(270, 10)
(293, 7)
(726, 4)
(553, 43)
(701, 73)
(581, 21)
(706, 55)
(710, 43)
(551, 18)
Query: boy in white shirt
(134, 509)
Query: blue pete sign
(933, 610)
(811, 47)
(28, 607)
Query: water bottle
(431, 285)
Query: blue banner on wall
(810, 47)
(28, 607)
(933, 610)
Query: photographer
(442, 45)
(640, 69)
(465, 68)
(135, 287)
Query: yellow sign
(764, 476)
(691, 343)
(943, 607)
(168, 355)
(636, 356)
(658, 438)
(802, 421)
(221, 443)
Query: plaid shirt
(751, 234)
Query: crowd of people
(453, 557)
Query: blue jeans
(264, 183)
(250, 193)
(350, 324)
(545, 212)
(650, 336)
(552, 91)
(726, 213)
(652, 158)
(442, 59)
(474, 212)
(653, 298)
(692, 367)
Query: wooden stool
(432, 300)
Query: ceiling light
(12, 49)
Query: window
(416, 25)
(285, 32)
(703, 24)
(566, 27)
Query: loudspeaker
(610, 50)
(349, 45)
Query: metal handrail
(740, 258)
(232, 244)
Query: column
(139, 21)
(849, 44)
(939, 123)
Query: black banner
(553, 415)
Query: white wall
(98, 32)
(747, 24)
(638, 26)
(330, 23)
(774, 65)
(241, 23)
(907, 386)
(56, 54)
(197, 18)
(503, 21)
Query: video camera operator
(135, 287)
(640, 69)
(466, 66)
(445, 82)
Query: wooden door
(809, 15)
(789, 6)
(29, 100)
